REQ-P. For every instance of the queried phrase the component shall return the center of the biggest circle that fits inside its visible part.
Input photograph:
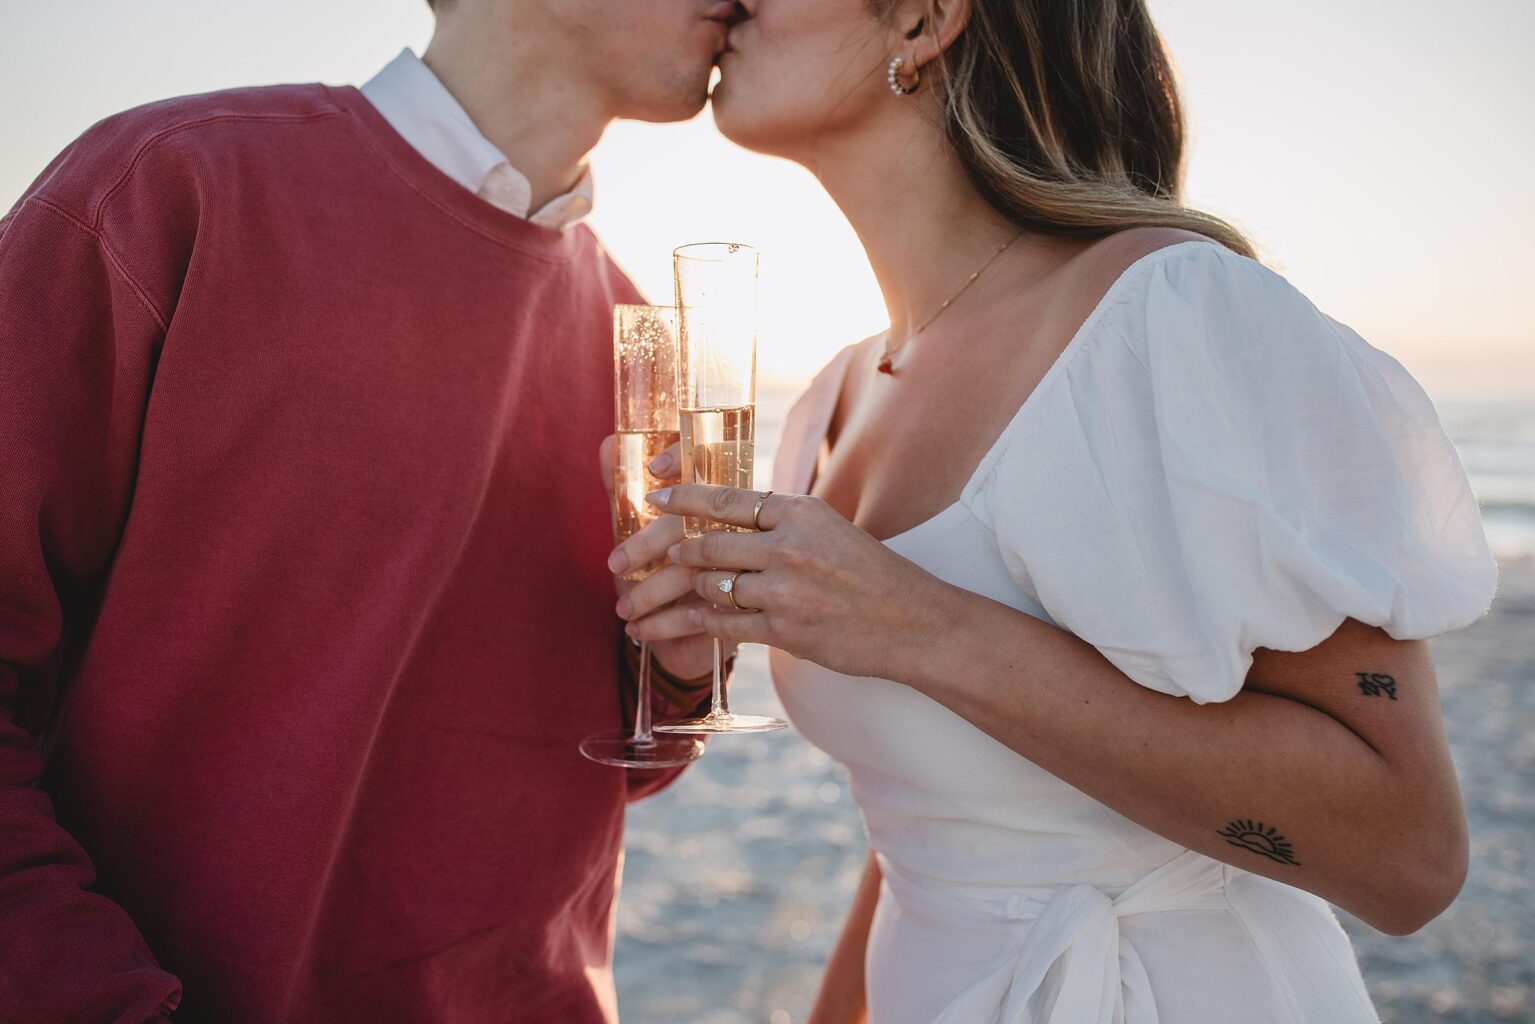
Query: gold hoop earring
(893, 76)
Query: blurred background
(1376, 152)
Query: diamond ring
(727, 587)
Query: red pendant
(885, 367)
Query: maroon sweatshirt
(303, 603)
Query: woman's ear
(932, 26)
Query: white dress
(1210, 466)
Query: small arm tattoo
(1373, 684)
(1267, 842)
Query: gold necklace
(885, 365)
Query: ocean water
(736, 878)
(1496, 441)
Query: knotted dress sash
(1101, 979)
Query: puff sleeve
(1222, 467)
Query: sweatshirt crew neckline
(450, 197)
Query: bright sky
(1378, 152)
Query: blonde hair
(1065, 116)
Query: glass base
(727, 722)
(619, 749)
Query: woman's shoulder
(850, 355)
(1170, 294)
(1186, 338)
(1232, 469)
(1103, 289)
(1103, 263)
(810, 415)
(1131, 267)
(826, 384)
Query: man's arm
(78, 340)
(673, 696)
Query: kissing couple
(1107, 570)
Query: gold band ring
(757, 510)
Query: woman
(1107, 570)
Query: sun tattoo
(1258, 839)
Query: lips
(723, 12)
(728, 14)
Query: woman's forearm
(841, 999)
(1361, 827)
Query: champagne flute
(645, 420)
(717, 320)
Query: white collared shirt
(418, 106)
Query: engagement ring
(728, 588)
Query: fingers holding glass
(723, 551)
(668, 464)
(729, 626)
(644, 551)
(657, 590)
(732, 506)
(607, 457)
(670, 623)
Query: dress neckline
(837, 373)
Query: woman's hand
(819, 587)
(656, 607)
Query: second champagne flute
(717, 321)
(645, 418)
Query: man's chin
(679, 109)
(678, 93)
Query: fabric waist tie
(1101, 979)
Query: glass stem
(642, 734)
(718, 707)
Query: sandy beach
(737, 877)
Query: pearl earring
(893, 76)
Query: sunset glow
(1374, 151)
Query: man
(292, 670)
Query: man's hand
(656, 608)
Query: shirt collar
(417, 105)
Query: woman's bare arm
(1329, 771)
(841, 997)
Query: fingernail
(695, 615)
(632, 629)
(661, 465)
(618, 561)
(675, 553)
(625, 607)
(659, 498)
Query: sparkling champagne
(717, 448)
(632, 481)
